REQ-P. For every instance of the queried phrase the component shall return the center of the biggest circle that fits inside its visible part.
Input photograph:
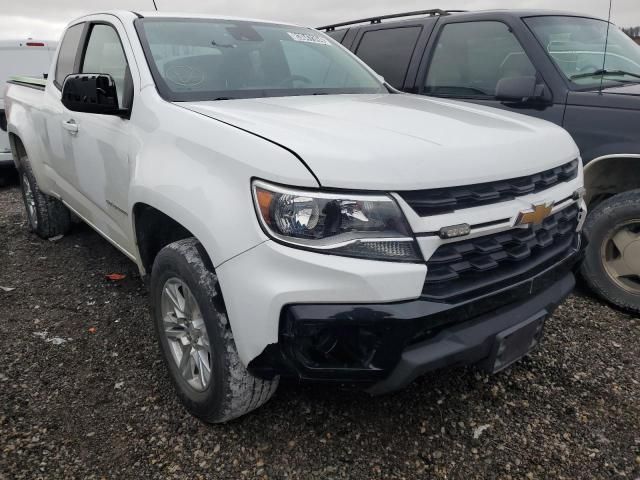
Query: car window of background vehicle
(472, 57)
(577, 45)
(389, 52)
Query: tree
(633, 32)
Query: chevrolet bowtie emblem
(536, 215)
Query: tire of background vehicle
(608, 218)
(47, 216)
(4, 177)
(231, 390)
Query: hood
(398, 141)
(625, 97)
(631, 89)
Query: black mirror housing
(91, 93)
(518, 89)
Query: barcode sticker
(309, 38)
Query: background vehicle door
(100, 143)
(393, 50)
(466, 59)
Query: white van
(20, 57)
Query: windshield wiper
(602, 72)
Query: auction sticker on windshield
(309, 38)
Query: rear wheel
(196, 339)
(47, 216)
(612, 261)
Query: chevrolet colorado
(297, 216)
(546, 64)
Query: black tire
(607, 218)
(232, 391)
(48, 217)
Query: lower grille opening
(470, 267)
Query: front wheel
(196, 340)
(612, 260)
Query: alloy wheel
(186, 334)
(30, 201)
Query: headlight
(363, 226)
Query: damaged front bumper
(386, 346)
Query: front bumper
(386, 346)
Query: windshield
(577, 46)
(202, 59)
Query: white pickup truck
(297, 217)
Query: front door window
(471, 58)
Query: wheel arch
(25, 138)
(610, 175)
(17, 148)
(154, 229)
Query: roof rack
(376, 20)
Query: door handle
(71, 126)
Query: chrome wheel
(621, 256)
(29, 201)
(186, 334)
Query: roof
(154, 14)
(532, 12)
(399, 18)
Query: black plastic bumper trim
(471, 342)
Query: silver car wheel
(186, 334)
(621, 256)
(30, 201)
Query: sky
(45, 19)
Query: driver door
(101, 144)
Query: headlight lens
(363, 226)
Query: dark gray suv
(549, 65)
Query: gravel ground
(83, 393)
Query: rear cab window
(68, 54)
(470, 58)
(388, 51)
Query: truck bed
(24, 97)
(31, 82)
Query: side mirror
(519, 89)
(91, 93)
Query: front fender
(609, 150)
(198, 172)
(190, 209)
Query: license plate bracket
(514, 343)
